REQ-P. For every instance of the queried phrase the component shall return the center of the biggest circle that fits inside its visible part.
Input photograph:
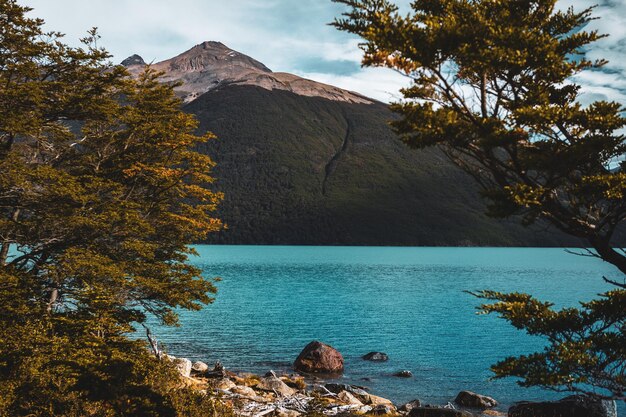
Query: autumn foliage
(101, 192)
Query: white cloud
(597, 85)
(378, 83)
(609, 84)
(276, 32)
(287, 35)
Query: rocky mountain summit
(134, 61)
(211, 65)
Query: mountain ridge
(315, 166)
(212, 64)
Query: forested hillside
(308, 170)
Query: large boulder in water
(318, 357)
(573, 406)
(473, 400)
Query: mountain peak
(214, 57)
(213, 45)
(211, 64)
(133, 60)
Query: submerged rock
(376, 357)
(572, 406)
(403, 374)
(473, 400)
(318, 357)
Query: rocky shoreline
(309, 392)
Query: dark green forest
(273, 155)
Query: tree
(493, 88)
(100, 194)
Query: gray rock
(273, 384)
(347, 398)
(383, 410)
(218, 371)
(354, 390)
(224, 384)
(364, 410)
(200, 366)
(183, 366)
(243, 390)
(573, 406)
(404, 374)
(376, 357)
(473, 400)
(375, 400)
(410, 405)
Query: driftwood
(153, 343)
(256, 408)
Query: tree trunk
(608, 253)
(6, 243)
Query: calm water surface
(407, 302)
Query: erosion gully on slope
(332, 163)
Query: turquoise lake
(407, 302)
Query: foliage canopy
(100, 194)
(493, 85)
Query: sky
(288, 36)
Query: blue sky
(286, 35)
